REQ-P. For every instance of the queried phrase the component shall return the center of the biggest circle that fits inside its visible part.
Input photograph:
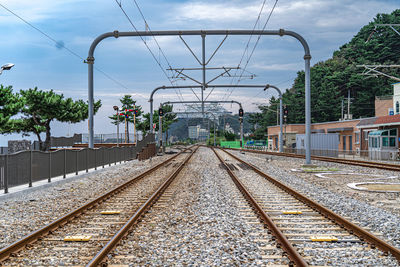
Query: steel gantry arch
(222, 86)
(203, 34)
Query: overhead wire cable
(158, 45)
(57, 43)
(145, 43)
(254, 47)
(247, 45)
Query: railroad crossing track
(87, 234)
(308, 232)
(363, 163)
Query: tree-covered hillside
(331, 79)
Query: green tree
(127, 104)
(9, 106)
(332, 79)
(40, 108)
(230, 136)
(168, 119)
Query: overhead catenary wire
(158, 45)
(65, 47)
(254, 47)
(145, 43)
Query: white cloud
(37, 10)
(277, 67)
(216, 12)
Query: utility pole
(134, 124)
(342, 109)
(348, 104)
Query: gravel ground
(357, 205)
(24, 213)
(200, 224)
(326, 253)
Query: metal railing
(383, 155)
(111, 138)
(26, 167)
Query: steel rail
(101, 256)
(363, 163)
(293, 254)
(18, 245)
(342, 222)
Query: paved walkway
(20, 189)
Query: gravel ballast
(29, 210)
(199, 225)
(344, 201)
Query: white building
(396, 98)
(203, 134)
(194, 132)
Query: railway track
(363, 163)
(87, 234)
(308, 232)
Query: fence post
(49, 180)
(65, 163)
(87, 159)
(76, 162)
(30, 168)
(6, 170)
(109, 157)
(102, 157)
(115, 156)
(95, 161)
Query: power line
(254, 47)
(251, 35)
(248, 43)
(63, 46)
(145, 43)
(158, 45)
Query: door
(350, 143)
(344, 143)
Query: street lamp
(7, 66)
(116, 108)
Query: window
(385, 141)
(393, 132)
(392, 141)
(366, 135)
(397, 107)
(357, 137)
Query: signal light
(160, 112)
(285, 111)
(241, 112)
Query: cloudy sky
(74, 24)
